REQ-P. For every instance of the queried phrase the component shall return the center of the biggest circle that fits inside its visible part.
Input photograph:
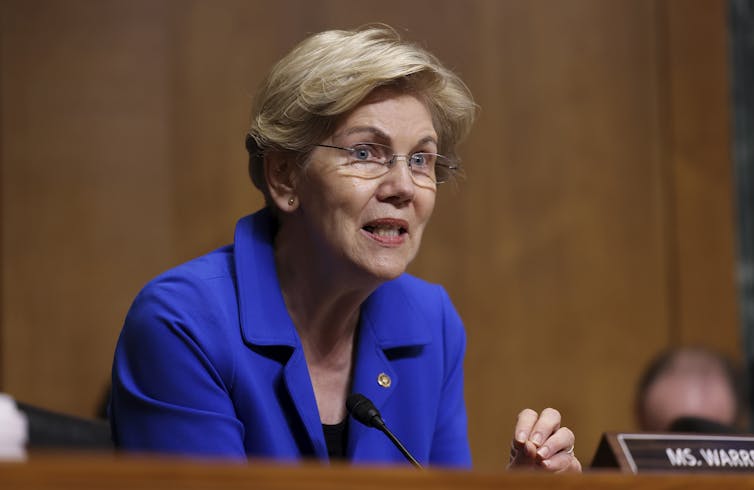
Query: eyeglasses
(372, 160)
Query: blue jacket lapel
(302, 393)
(388, 321)
(265, 321)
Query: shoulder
(218, 263)
(411, 308)
(192, 280)
(194, 303)
(430, 300)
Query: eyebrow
(382, 135)
(366, 129)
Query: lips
(387, 231)
(387, 226)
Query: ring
(570, 450)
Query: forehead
(388, 114)
(691, 392)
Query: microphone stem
(398, 444)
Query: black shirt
(336, 437)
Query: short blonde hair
(330, 73)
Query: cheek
(425, 205)
(351, 196)
(330, 192)
(340, 208)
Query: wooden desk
(84, 471)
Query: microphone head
(362, 409)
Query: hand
(540, 442)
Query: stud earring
(291, 200)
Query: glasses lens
(368, 160)
(370, 152)
(423, 168)
(372, 160)
(444, 169)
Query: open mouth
(386, 228)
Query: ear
(281, 172)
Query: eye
(366, 152)
(422, 160)
(361, 152)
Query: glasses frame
(452, 167)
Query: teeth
(386, 231)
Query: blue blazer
(209, 363)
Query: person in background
(691, 389)
(27, 426)
(14, 430)
(252, 350)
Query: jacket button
(384, 380)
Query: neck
(323, 300)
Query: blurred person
(14, 432)
(691, 389)
(26, 426)
(252, 350)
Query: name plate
(666, 452)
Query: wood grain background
(595, 226)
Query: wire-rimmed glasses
(372, 160)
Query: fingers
(556, 454)
(561, 462)
(561, 441)
(534, 427)
(539, 440)
(547, 424)
(524, 425)
(524, 455)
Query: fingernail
(546, 463)
(521, 437)
(543, 452)
(537, 439)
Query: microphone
(363, 410)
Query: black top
(336, 437)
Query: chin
(388, 270)
(381, 265)
(389, 275)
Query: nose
(398, 183)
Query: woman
(253, 349)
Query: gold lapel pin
(384, 380)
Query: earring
(291, 200)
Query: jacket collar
(262, 311)
(391, 315)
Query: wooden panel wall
(699, 141)
(595, 226)
(86, 187)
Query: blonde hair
(328, 74)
